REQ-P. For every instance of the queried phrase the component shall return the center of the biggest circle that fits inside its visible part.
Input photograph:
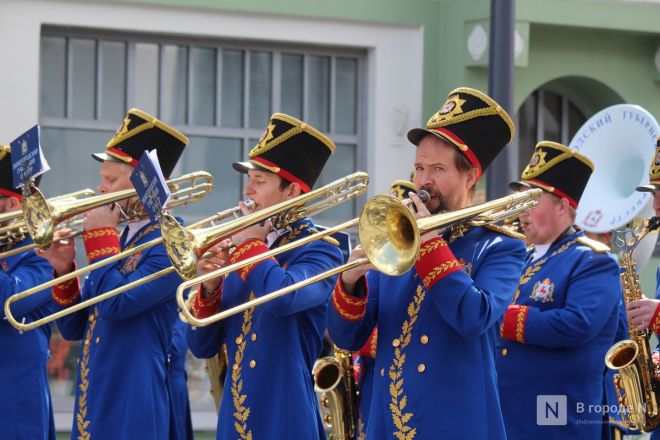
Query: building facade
(364, 72)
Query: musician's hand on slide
(350, 277)
(61, 253)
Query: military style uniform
(121, 385)
(177, 378)
(562, 321)
(435, 374)
(271, 349)
(26, 409)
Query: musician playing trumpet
(121, 385)
(26, 409)
(271, 349)
(435, 371)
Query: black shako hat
(473, 122)
(557, 169)
(292, 149)
(401, 188)
(142, 132)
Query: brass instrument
(636, 383)
(200, 183)
(389, 234)
(334, 379)
(41, 216)
(13, 227)
(185, 246)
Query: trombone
(13, 226)
(185, 246)
(335, 192)
(41, 216)
(389, 234)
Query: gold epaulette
(506, 231)
(326, 238)
(595, 245)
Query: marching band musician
(26, 410)
(435, 372)
(564, 316)
(645, 313)
(271, 348)
(121, 388)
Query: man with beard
(26, 409)
(435, 372)
(563, 319)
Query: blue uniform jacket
(435, 373)
(555, 336)
(26, 410)
(121, 388)
(268, 393)
(178, 382)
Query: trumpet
(13, 226)
(389, 234)
(185, 246)
(200, 183)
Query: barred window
(219, 93)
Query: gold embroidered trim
(520, 324)
(293, 235)
(431, 246)
(243, 249)
(102, 252)
(81, 416)
(399, 400)
(438, 270)
(96, 233)
(242, 412)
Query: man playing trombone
(26, 410)
(435, 372)
(271, 349)
(121, 388)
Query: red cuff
(101, 242)
(513, 326)
(369, 349)
(246, 250)
(349, 307)
(655, 321)
(435, 261)
(205, 307)
(67, 293)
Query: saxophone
(636, 383)
(334, 379)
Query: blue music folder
(27, 159)
(150, 184)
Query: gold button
(421, 368)
(239, 340)
(253, 364)
(98, 339)
(382, 371)
(234, 367)
(253, 337)
(505, 352)
(396, 343)
(91, 318)
(424, 339)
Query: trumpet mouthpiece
(424, 195)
